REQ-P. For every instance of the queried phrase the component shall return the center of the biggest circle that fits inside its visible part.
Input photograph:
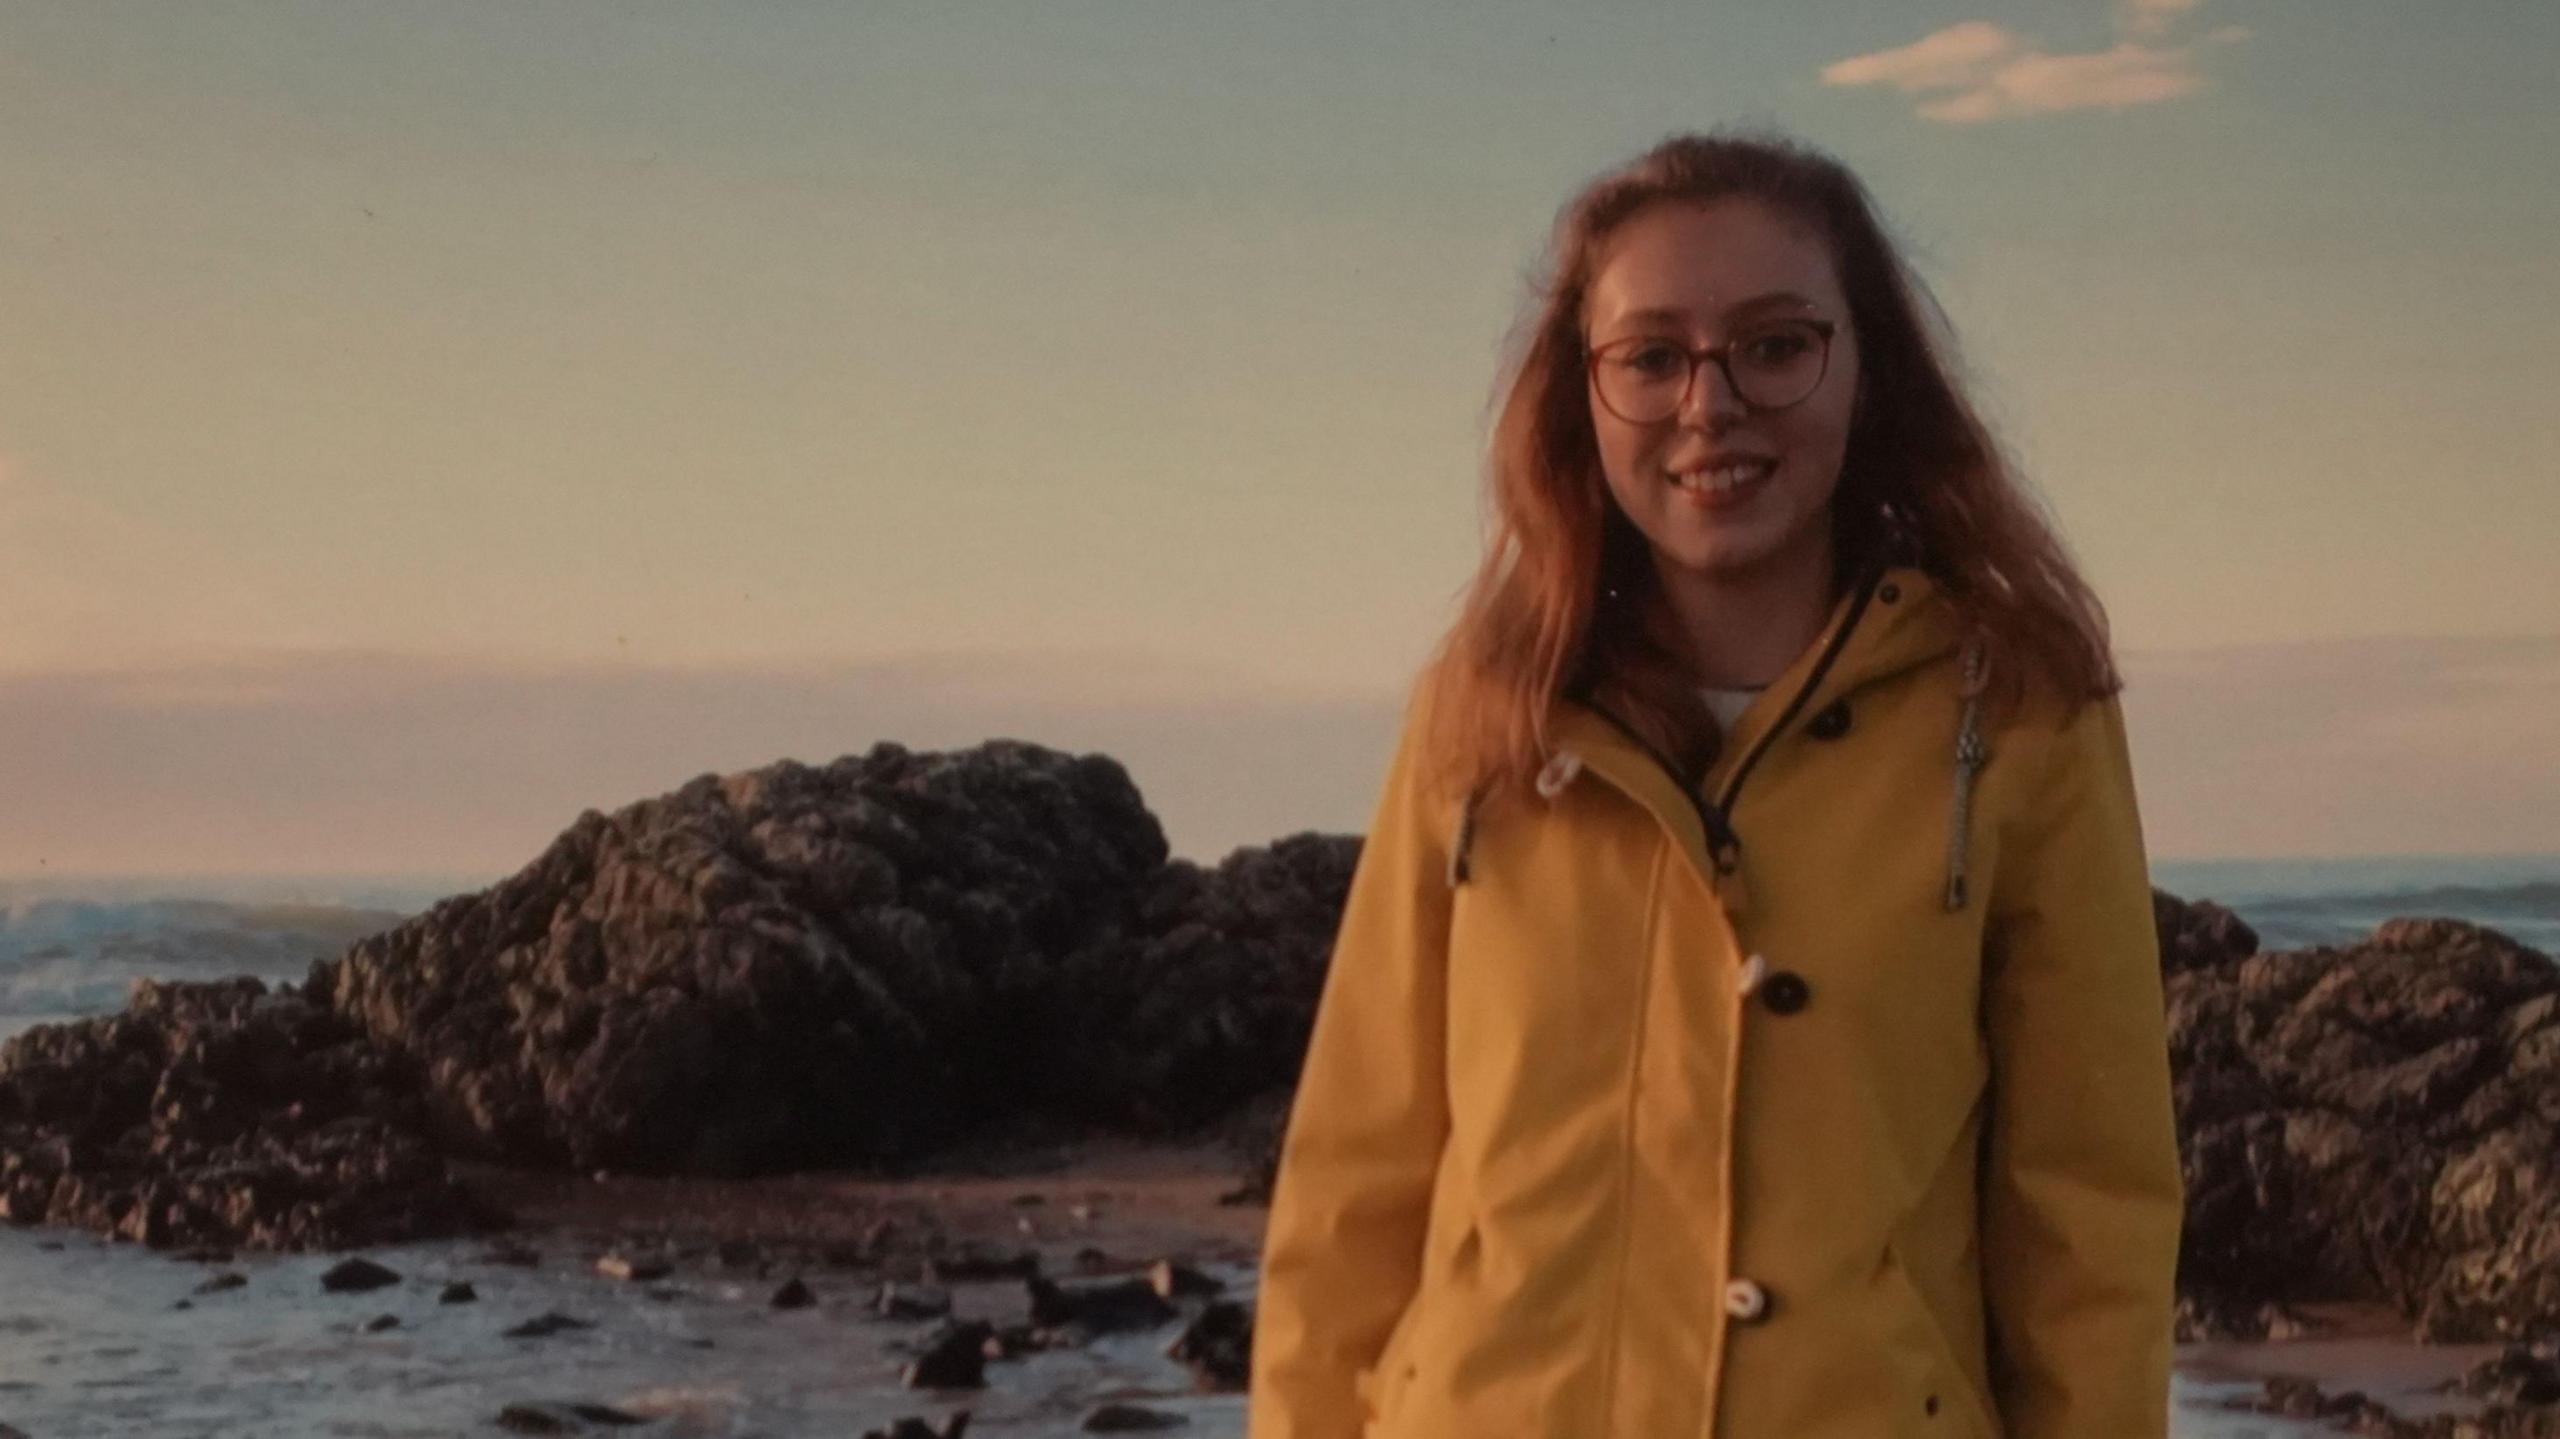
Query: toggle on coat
(1828, 1101)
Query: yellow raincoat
(1829, 1103)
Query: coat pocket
(1943, 1396)
(1412, 1351)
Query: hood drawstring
(1971, 755)
(1466, 836)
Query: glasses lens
(1778, 364)
(1641, 380)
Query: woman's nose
(1710, 397)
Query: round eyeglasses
(1644, 379)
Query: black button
(1785, 992)
(1830, 722)
(1889, 592)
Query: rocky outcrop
(793, 967)
(220, 1113)
(2375, 1120)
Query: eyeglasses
(1644, 379)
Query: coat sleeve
(2081, 1198)
(1342, 1253)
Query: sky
(421, 422)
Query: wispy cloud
(2151, 17)
(1976, 70)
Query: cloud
(2150, 18)
(1978, 71)
(1960, 55)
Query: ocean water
(90, 1343)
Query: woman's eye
(1656, 360)
(1775, 349)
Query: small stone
(1181, 1281)
(911, 1301)
(1217, 1346)
(633, 1269)
(220, 1282)
(1102, 1308)
(560, 1418)
(973, 1266)
(793, 1295)
(355, 1276)
(458, 1293)
(1129, 1419)
(380, 1322)
(955, 1359)
(544, 1325)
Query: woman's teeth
(1724, 479)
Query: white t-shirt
(1728, 705)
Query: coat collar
(1894, 619)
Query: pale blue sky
(1102, 343)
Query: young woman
(1746, 1020)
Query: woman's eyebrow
(1662, 314)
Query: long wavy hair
(1566, 600)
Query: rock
(955, 1358)
(222, 1282)
(1217, 1346)
(953, 1427)
(380, 1322)
(564, 1418)
(544, 1325)
(910, 1301)
(628, 1268)
(1129, 1419)
(458, 1292)
(208, 1116)
(2523, 1374)
(355, 1276)
(976, 1266)
(1100, 1308)
(793, 1295)
(2378, 1120)
(786, 968)
(1180, 1281)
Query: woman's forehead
(1704, 263)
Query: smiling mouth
(1726, 479)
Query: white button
(1745, 1300)
(1558, 773)
(1753, 970)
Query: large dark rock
(2375, 1120)
(788, 967)
(220, 1113)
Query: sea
(93, 1340)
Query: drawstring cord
(1465, 837)
(1971, 755)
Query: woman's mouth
(1723, 485)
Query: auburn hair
(1565, 600)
